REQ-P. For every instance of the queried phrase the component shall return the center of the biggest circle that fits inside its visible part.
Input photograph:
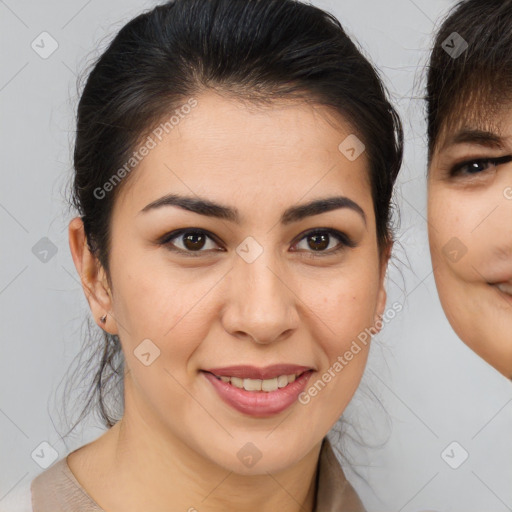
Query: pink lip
(252, 372)
(260, 403)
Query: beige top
(57, 490)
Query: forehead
(240, 152)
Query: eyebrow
(295, 213)
(477, 137)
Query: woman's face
(248, 288)
(470, 231)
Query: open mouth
(264, 385)
(504, 288)
(259, 397)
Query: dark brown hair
(473, 86)
(255, 50)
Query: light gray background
(434, 390)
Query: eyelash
(456, 170)
(344, 240)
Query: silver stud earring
(103, 319)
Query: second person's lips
(504, 287)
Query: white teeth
(252, 384)
(269, 384)
(239, 383)
(260, 385)
(282, 381)
(505, 288)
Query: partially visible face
(470, 232)
(211, 292)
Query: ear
(382, 295)
(92, 275)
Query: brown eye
(190, 241)
(319, 241)
(194, 241)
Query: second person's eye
(479, 165)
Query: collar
(334, 492)
(57, 489)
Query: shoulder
(42, 493)
(41, 490)
(51, 477)
(58, 490)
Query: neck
(149, 472)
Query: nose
(260, 301)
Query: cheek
(353, 306)
(346, 304)
(166, 316)
(470, 229)
(163, 305)
(348, 311)
(458, 238)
